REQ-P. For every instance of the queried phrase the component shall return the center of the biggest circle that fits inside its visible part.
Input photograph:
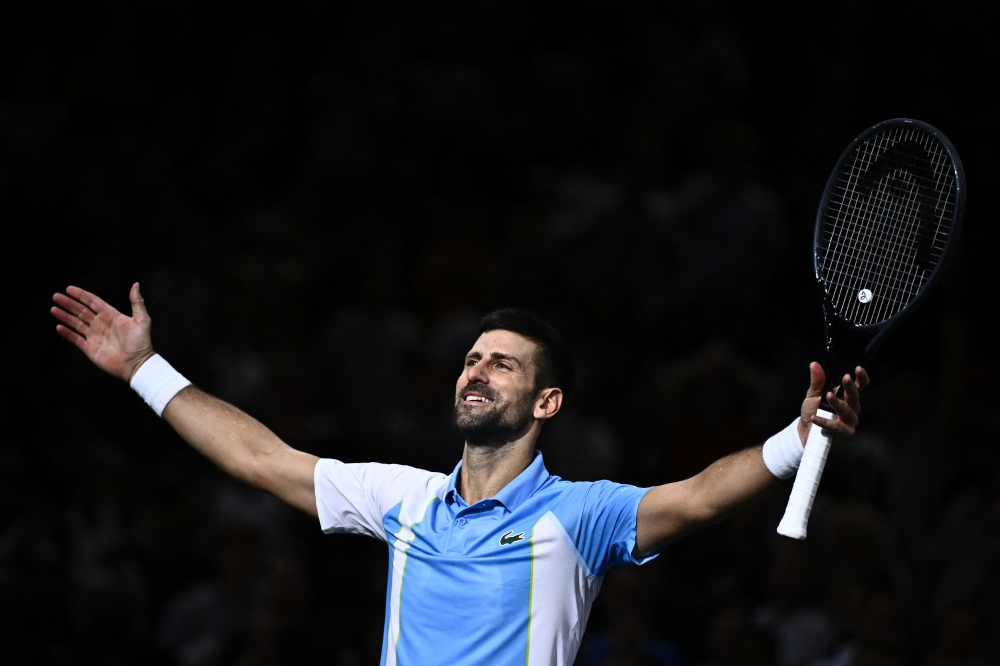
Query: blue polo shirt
(508, 580)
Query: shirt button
(461, 522)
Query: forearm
(672, 510)
(233, 440)
(669, 511)
(736, 479)
(728, 484)
(122, 347)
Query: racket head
(887, 223)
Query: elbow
(264, 469)
(254, 472)
(248, 468)
(700, 511)
(694, 505)
(696, 518)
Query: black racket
(888, 221)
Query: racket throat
(847, 347)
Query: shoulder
(586, 501)
(354, 497)
(599, 518)
(593, 507)
(589, 491)
(398, 480)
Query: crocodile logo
(510, 538)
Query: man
(499, 562)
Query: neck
(487, 469)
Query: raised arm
(236, 442)
(669, 511)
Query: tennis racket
(887, 223)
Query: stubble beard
(503, 422)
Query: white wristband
(783, 452)
(157, 382)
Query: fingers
(74, 307)
(817, 379)
(88, 299)
(70, 321)
(835, 426)
(863, 378)
(846, 412)
(846, 420)
(138, 303)
(75, 338)
(843, 424)
(852, 392)
(847, 409)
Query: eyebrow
(496, 355)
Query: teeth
(476, 398)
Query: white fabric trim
(353, 498)
(783, 451)
(157, 383)
(411, 512)
(558, 612)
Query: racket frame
(837, 328)
(846, 338)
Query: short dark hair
(554, 359)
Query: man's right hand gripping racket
(887, 223)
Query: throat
(486, 470)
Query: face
(495, 397)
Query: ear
(548, 402)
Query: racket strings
(895, 191)
(886, 224)
(877, 249)
(880, 259)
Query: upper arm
(243, 447)
(665, 513)
(289, 475)
(671, 510)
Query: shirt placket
(467, 525)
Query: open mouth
(476, 399)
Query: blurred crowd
(320, 207)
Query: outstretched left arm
(672, 510)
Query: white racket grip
(800, 502)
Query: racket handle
(800, 502)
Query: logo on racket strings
(865, 296)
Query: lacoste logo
(508, 539)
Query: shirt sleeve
(608, 526)
(352, 498)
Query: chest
(480, 532)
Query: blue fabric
(465, 594)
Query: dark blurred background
(320, 203)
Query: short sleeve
(352, 498)
(607, 536)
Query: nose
(477, 373)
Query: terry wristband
(157, 382)
(783, 452)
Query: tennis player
(499, 562)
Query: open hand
(114, 342)
(847, 409)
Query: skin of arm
(674, 509)
(233, 440)
(243, 447)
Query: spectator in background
(802, 632)
(630, 606)
(206, 624)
